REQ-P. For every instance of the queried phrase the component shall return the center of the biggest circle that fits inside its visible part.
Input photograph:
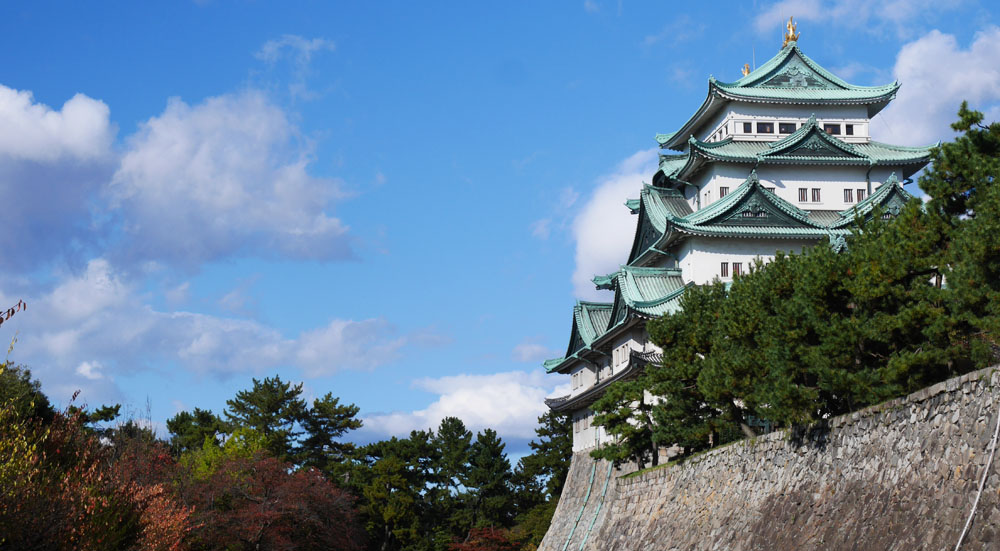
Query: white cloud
(527, 351)
(301, 48)
(224, 177)
(604, 228)
(901, 17)
(345, 344)
(936, 74)
(300, 51)
(508, 402)
(81, 130)
(96, 324)
(90, 370)
(51, 164)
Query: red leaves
(258, 502)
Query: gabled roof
(890, 197)
(747, 211)
(642, 293)
(788, 78)
(809, 144)
(656, 205)
(590, 320)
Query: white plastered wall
(701, 257)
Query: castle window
(848, 195)
(765, 128)
(771, 189)
(786, 127)
(803, 195)
(723, 191)
(815, 195)
(833, 129)
(849, 129)
(861, 195)
(737, 268)
(724, 271)
(886, 216)
(748, 128)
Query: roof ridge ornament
(746, 69)
(790, 34)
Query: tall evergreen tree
(274, 409)
(325, 423)
(489, 481)
(551, 453)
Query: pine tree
(325, 423)
(273, 408)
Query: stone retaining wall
(901, 476)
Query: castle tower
(778, 160)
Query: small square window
(849, 129)
(832, 129)
(748, 128)
(803, 194)
(765, 128)
(737, 268)
(815, 195)
(771, 189)
(861, 195)
(723, 191)
(724, 271)
(848, 195)
(786, 127)
(886, 216)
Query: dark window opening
(803, 194)
(849, 129)
(748, 128)
(737, 268)
(723, 191)
(786, 127)
(833, 129)
(771, 189)
(861, 195)
(848, 195)
(724, 271)
(765, 128)
(815, 195)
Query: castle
(778, 160)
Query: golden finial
(790, 34)
(746, 69)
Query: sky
(393, 202)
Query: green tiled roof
(890, 196)
(807, 145)
(790, 77)
(590, 320)
(633, 205)
(747, 211)
(644, 292)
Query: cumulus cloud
(898, 16)
(95, 324)
(224, 177)
(52, 162)
(604, 228)
(508, 402)
(936, 74)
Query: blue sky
(393, 202)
